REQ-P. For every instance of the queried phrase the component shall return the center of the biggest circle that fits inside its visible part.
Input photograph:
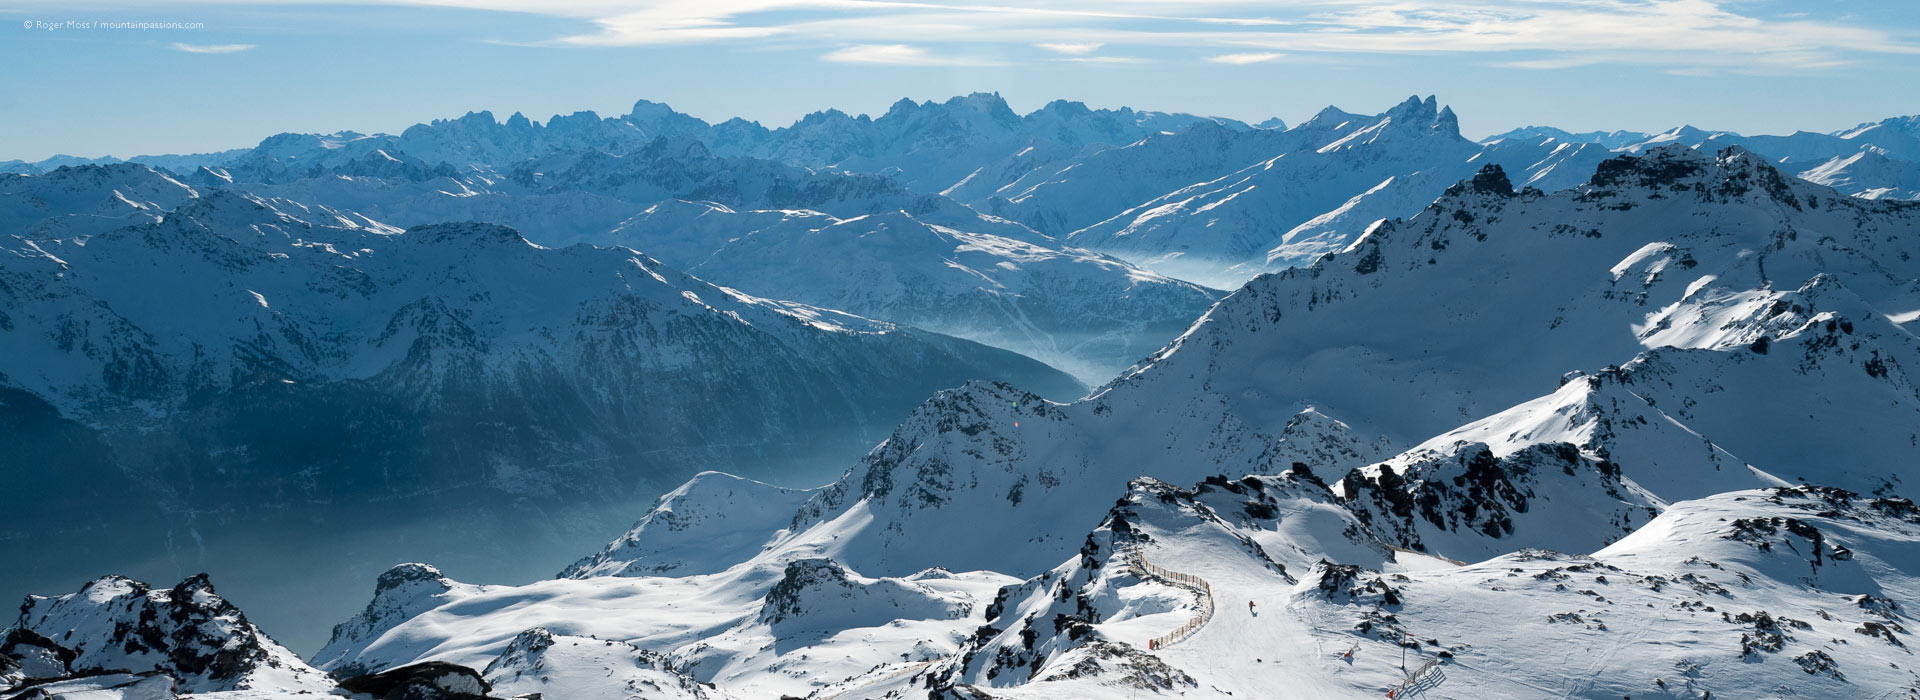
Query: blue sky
(226, 74)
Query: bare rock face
(27, 656)
(10, 674)
(432, 680)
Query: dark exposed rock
(783, 600)
(149, 685)
(1492, 179)
(1817, 662)
(432, 680)
(35, 656)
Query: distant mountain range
(1209, 200)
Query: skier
(1249, 607)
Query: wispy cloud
(1667, 34)
(1240, 59)
(1109, 60)
(1072, 49)
(900, 55)
(211, 48)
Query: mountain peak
(989, 104)
(983, 102)
(1907, 126)
(650, 110)
(577, 121)
(1416, 114)
(1447, 122)
(403, 574)
(482, 118)
(188, 632)
(1657, 166)
(1414, 109)
(1331, 113)
(1066, 108)
(1731, 172)
(1492, 179)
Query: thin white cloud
(1072, 49)
(1110, 60)
(899, 55)
(1664, 34)
(211, 48)
(1241, 59)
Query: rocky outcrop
(432, 680)
(188, 633)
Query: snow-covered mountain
(242, 358)
(1208, 200)
(1547, 419)
(1777, 588)
(1085, 313)
(1516, 425)
(1609, 139)
(1682, 314)
(1869, 174)
(541, 662)
(885, 253)
(967, 142)
(1321, 534)
(1894, 137)
(1220, 206)
(1711, 597)
(1492, 295)
(930, 146)
(189, 633)
(1873, 160)
(1065, 197)
(333, 301)
(1269, 200)
(79, 201)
